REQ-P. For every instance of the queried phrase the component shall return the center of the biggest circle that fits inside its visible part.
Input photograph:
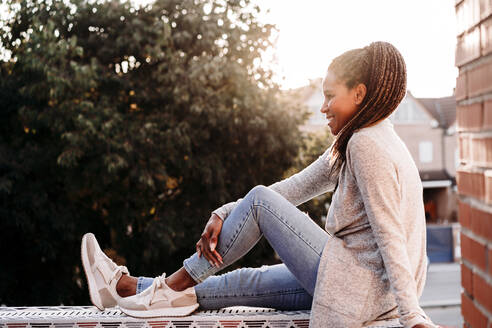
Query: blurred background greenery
(134, 124)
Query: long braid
(381, 67)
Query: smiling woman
(367, 85)
(368, 264)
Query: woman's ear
(360, 93)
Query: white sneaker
(101, 272)
(159, 300)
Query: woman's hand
(208, 241)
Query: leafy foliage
(133, 124)
(315, 144)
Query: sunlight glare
(313, 32)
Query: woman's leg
(297, 239)
(271, 286)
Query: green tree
(314, 145)
(133, 124)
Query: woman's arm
(379, 185)
(298, 188)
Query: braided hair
(381, 68)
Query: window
(425, 151)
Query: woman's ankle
(180, 280)
(126, 286)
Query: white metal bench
(90, 317)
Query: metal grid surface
(90, 317)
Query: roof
(433, 175)
(443, 110)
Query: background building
(428, 128)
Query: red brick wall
(474, 176)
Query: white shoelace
(158, 282)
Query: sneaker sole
(93, 293)
(167, 312)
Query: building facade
(474, 177)
(428, 128)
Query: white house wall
(413, 135)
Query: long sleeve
(377, 177)
(312, 181)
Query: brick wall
(474, 176)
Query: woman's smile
(330, 119)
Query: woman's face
(340, 103)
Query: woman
(368, 264)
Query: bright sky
(313, 32)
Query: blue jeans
(297, 239)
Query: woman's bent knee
(260, 191)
